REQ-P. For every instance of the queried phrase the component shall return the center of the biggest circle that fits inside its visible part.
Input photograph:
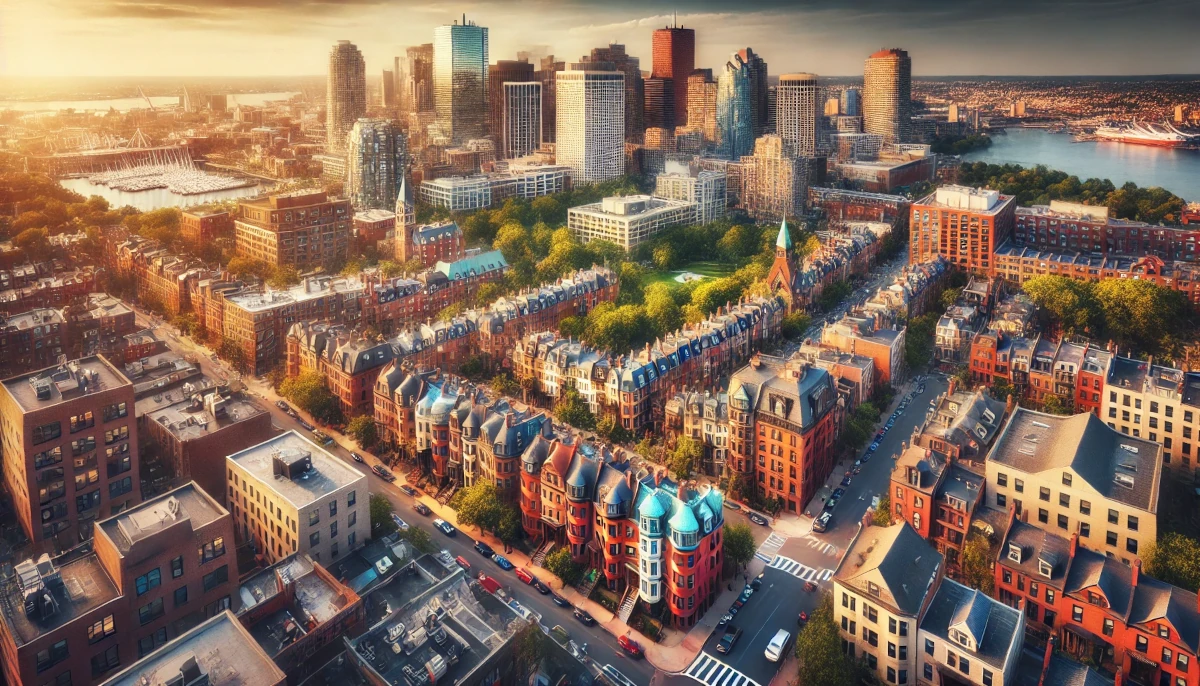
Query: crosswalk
(710, 671)
(821, 546)
(766, 551)
(800, 571)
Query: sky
(75, 38)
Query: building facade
(346, 94)
(521, 118)
(628, 220)
(706, 189)
(674, 59)
(460, 78)
(887, 95)
(302, 230)
(964, 225)
(376, 162)
(798, 113)
(590, 123)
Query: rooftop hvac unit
(190, 674)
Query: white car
(777, 645)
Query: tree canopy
(1175, 559)
(739, 543)
(573, 410)
(309, 393)
(977, 563)
(819, 649)
(685, 459)
(363, 430)
(560, 564)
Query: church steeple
(783, 242)
(784, 270)
(405, 221)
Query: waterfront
(155, 198)
(126, 104)
(1175, 170)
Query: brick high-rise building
(674, 52)
(77, 417)
(702, 104)
(887, 95)
(201, 225)
(498, 74)
(302, 229)
(964, 225)
(346, 94)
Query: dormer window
(1045, 568)
(707, 524)
(873, 588)
(1014, 553)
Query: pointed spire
(784, 240)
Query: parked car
(777, 645)
(462, 562)
(541, 587)
(305, 424)
(525, 576)
(809, 587)
(725, 619)
(746, 593)
(282, 405)
(356, 457)
(757, 518)
(732, 634)
(629, 645)
(757, 582)
(822, 522)
(732, 505)
(484, 549)
(293, 414)
(873, 448)
(838, 493)
(846, 480)
(584, 617)
(400, 523)
(502, 562)
(559, 600)
(422, 508)
(446, 527)
(383, 473)
(322, 437)
(408, 490)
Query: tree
(362, 429)
(883, 515)
(819, 649)
(418, 537)
(509, 529)
(505, 385)
(244, 267)
(662, 310)
(977, 563)
(739, 543)
(479, 505)
(234, 354)
(310, 394)
(530, 645)
(963, 375)
(1138, 312)
(950, 297)
(1066, 301)
(795, 324)
(1174, 559)
(560, 564)
(573, 410)
(1056, 405)
(35, 243)
(685, 459)
(283, 276)
(381, 514)
(611, 429)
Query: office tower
(833, 106)
(346, 94)
(798, 113)
(887, 95)
(660, 103)
(389, 89)
(702, 104)
(851, 103)
(418, 78)
(635, 98)
(500, 73)
(735, 113)
(705, 188)
(756, 72)
(674, 51)
(70, 449)
(547, 74)
(375, 164)
(772, 107)
(590, 123)
(775, 184)
(460, 68)
(398, 81)
(954, 113)
(521, 120)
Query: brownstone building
(32, 340)
(70, 449)
(201, 225)
(302, 229)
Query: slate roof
(995, 627)
(900, 563)
(1111, 576)
(1037, 544)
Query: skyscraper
(660, 103)
(547, 73)
(521, 118)
(389, 89)
(460, 67)
(418, 78)
(590, 123)
(798, 113)
(887, 95)
(735, 116)
(378, 156)
(702, 104)
(346, 94)
(674, 51)
(635, 99)
(851, 102)
(500, 73)
(756, 73)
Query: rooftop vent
(291, 463)
(1124, 480)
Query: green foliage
(1039, 185)
(686, 457)
(248, 267)
(819, 649)
(1175, 559)
(610, 429)
(949, 297)
(505, 385)
(381, 515)
(833, 294)
(362, 429)
(739, 543)
(883, 515)
(795, 324)
(283, 276)
(960, 145)
(918, 341)
(418, 537)
(309, 392)
(233, 354)
(977, 563)
(480, 505)
(1056, 405)
(573, 410)
(509, 529)
(35, 242)
(530, 646)
(560, 564)
(1066, 301)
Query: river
(1175, 170)
(126, 104)
(155, 198)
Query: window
(1133, 523)
(101, 630)
(891, 649)
(1043, 515)
(1001, 500)
(332, 529)
(891, 675)
(1085, 507)
(1066, 480)
(314, 539)
(1113, 517)
(148, 581)
(1131, 545)
(1111, 538)
(1019, 485)
(903, 652)
(928, 672)
(1141, 643)
(1181, 662)
(350, 541)
(1044, 494)
(120, 487)
(1002, 479)
(351, 499)
(1108, 627)
(1064, 500)
(1050, 595)
(987, 678)
(903, 628)
(1164, 631)
(181, 596)
(1062, 521)
(1166, 656)
(891, 625)
(332, 508)
(314, 517)
(1085, 530)
(216, 578)
(352, 519)
(1077, 613)
(964, 665)
(871, 613)
(211, 550)
(150, 611)
(105, 661)
(46, 432)
(928, 647)
(177, 567)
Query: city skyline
(269, 38)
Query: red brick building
(201, 225)
(302, 229)
(1078, 228)
(430, 243)
(964, 225)
(32, 340)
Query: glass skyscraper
(377, 158)
(735, 114)
(346, 94)
(460, 69)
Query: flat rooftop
(187, 420)
(54, 385)
(153, 397)
(220, 647)
(314, 597)
(83, 586)
(326, 476)
(310, 288)
(188, 502)
(37, 317)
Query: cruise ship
(1161, 135)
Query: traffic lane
(602, 646)
(775, 606)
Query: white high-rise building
(887, 95)
(798, 115)
(522, 114)
(590, 132)
(346, 94)
(707, 189)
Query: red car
(524, 576)
(463, 563)
(631, 646)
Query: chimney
(953, 386)
(1074, 545)
(1135, 571)
(1010, 404)
(1046, 660)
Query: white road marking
(710, 671)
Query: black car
(757, 582)
(356, 457)
(559, 600)
(484, 549)
(408, 490)
(584, 617)
(757, 518)
(732, 634)
(541, 587)
(423, 509)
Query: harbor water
(155, 198)
(1175, 170)
(126, 104)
